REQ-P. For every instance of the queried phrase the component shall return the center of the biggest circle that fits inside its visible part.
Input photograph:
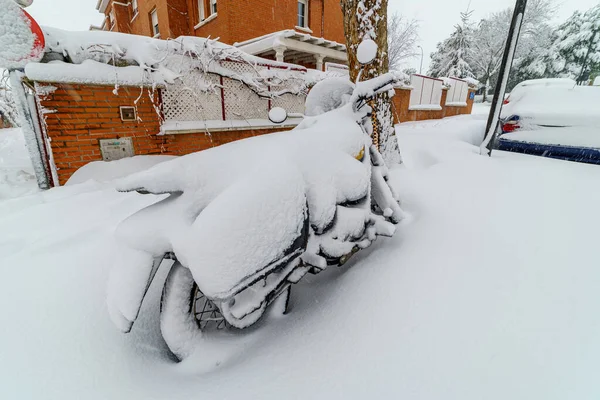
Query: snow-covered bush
(160, 62)
(8, 109)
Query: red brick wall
(248, 19)
(401, 103)
(236, 21)
(172, 18)
(179, 21)
(219, 27)
(86, 114)
(122, 18)
(334, 22)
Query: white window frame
(305, 16)
(213, 7)
(154, 16)
(134, 8)
(201, 13)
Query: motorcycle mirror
(366, 51)
(24, 3)
(277, 115)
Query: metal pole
(421, 68)
(505, 67)
(29, 132)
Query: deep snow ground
(16, 173)
(489, 290)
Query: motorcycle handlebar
(367, 90)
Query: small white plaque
(116, 149)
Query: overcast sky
(437, 17)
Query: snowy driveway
(490, 290)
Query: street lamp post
(421, 68)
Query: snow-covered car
(555, 120)
(559, 105)
(525, 86)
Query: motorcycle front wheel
(186, 313)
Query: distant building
(4, 122)
(305, 32)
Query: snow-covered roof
(292, 34)
(294, 40)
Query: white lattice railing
(200, 96)
(188, 99)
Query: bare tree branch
(403, 36)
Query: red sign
(22, 41)
(40, 42)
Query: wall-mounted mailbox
(116, 149)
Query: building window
(134, 7)
(154, 23)
(201, 15)
(213, 7)
(113, 19)
(303, 13)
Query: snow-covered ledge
(425, 107)
(303, 29)
(205, 21)
(181, 127)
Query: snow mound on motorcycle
(328, 94)
(234, 208)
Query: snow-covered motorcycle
(247, 220)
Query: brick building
(104, 96)
(305, 32)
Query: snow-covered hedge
(98, 57)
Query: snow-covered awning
(295, 47)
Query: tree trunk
(585, 60)
(487, 83)
(367, 19)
